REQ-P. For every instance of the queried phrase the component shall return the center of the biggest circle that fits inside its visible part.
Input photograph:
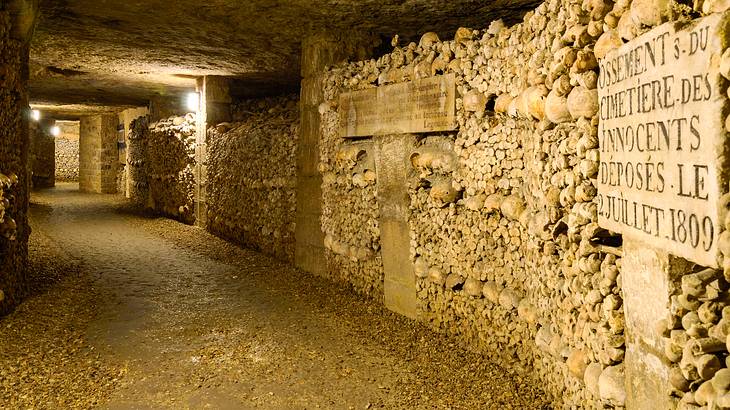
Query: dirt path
(132, 312)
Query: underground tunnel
(365, 204)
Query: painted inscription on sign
(661, 138)
(425, 105)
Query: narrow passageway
(150, 313)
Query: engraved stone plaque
(662, 138)
(427, 105)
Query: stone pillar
(649, 277)
(23, 15)
(214, 108)
(126, 117)
(98, 156)
(392, 153)
(318, 52)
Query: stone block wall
(42, 157)
(67, 151)
(161, 158)
(252, 176)
(98, 154)
(14, 174)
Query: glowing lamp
(35, 115)
(192, 102)
(55, 131)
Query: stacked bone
(136, 161)
(122, 179)
(506, 244)
(696, 340)
(724, 247)
(584, 293)
(67, 160)
(8, 226)
(252, 176)
(170, 161)
(352, 233)
(629, 19)
(349, 190)
(14, 170)
(696, 332)
(10, 119)
(42, 157)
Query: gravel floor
(135, 312)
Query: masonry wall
(42, 157)
(161, 158)
(67, 151)
(98, 156)
(14, 176)
(252, 176)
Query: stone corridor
(128, 311)
(357, 204)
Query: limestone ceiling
(116, 53)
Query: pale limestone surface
(391, 158)
(662, 134)
(98, 156)
(426, 105)
(123, 52)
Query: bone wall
(67, 151)
(125, 120)
(14, 175)
(161, 157)
(252, 176)
(504, 236)
(503, 224)
(692, 340)
(138, 187)
(42, 157)
(171, 160)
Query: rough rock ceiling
(117, 53)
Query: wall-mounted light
(35, 115)
(55, 130)
(192, 102)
